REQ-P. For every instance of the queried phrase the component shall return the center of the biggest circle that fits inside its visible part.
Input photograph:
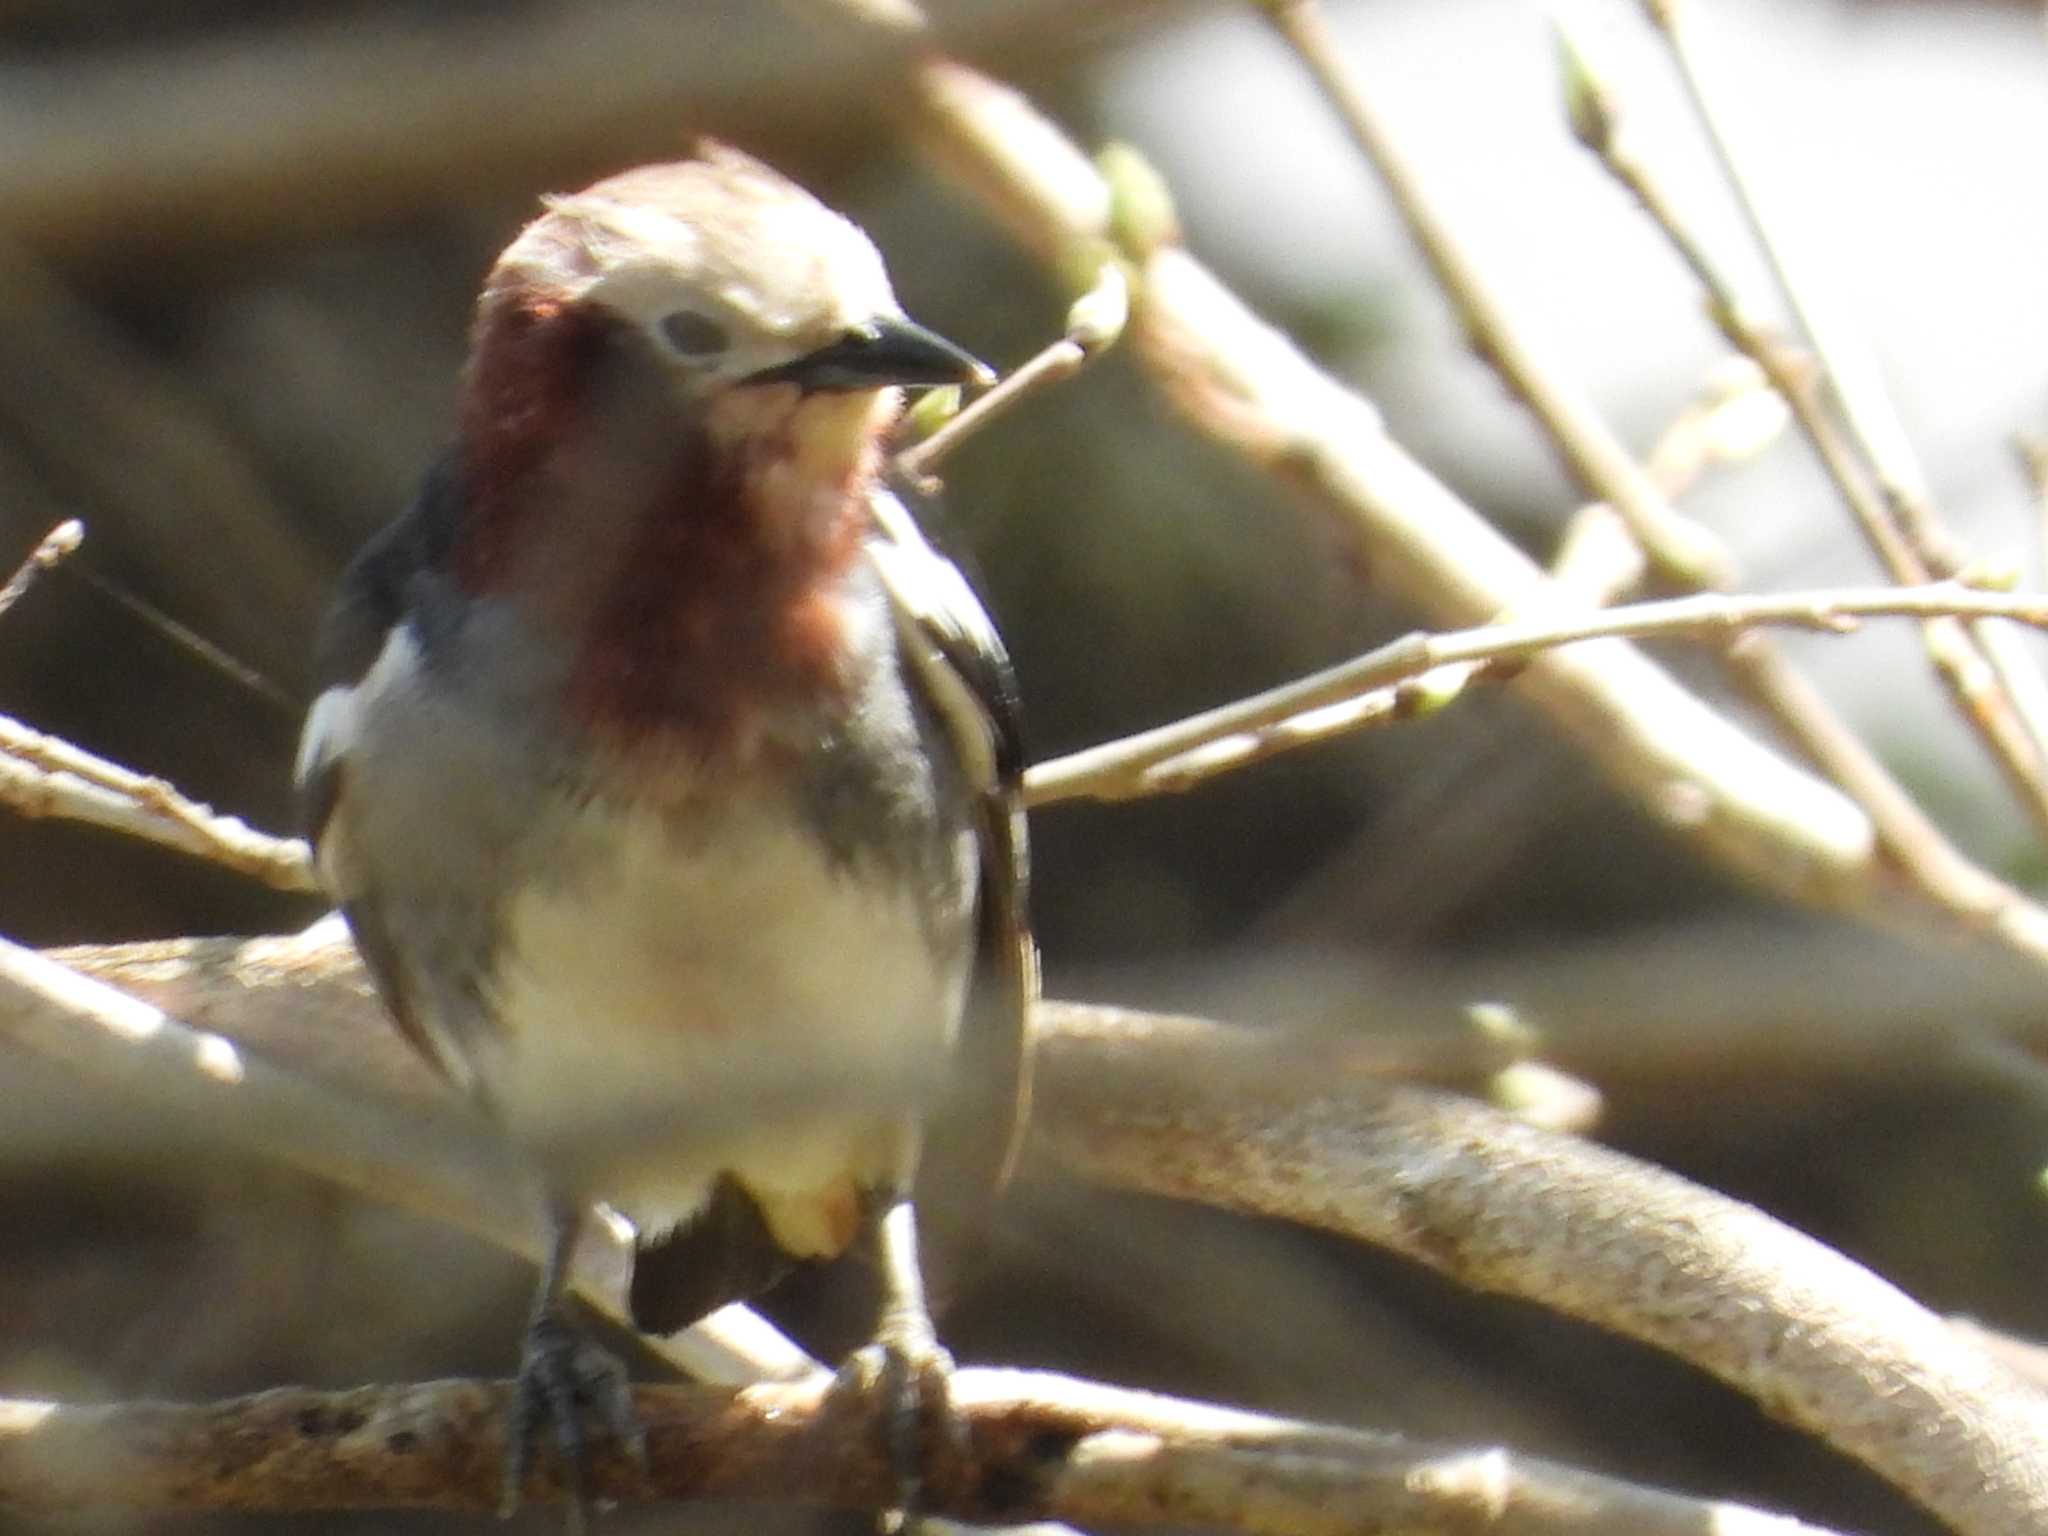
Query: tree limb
(1038, 1447)
(1236, 1118)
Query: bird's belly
(720, 995)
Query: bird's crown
(729, 266)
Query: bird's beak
(877, 354)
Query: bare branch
(1196, 1110)
(1093, 325)
(418, 1150)
(59, 542)
(1848, 365)
(1959, 656)
(1684, 550)
(44, 776)
(1038, 1447)
(1367, 690)
(1735, 417)
(1867, 410)
(1504, 1207)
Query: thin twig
(181, 492)
(1059, 361)
(2031, 448)
(1959, 662)
(43, 776)
(1034, 1447)
(1858, 387)
(1922, 852)
(1735, 417)
(56, 545)
(1336, 699)
(1093, 325)
(1595, 456)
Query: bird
(668, 778)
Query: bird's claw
(567, 1382)
(912, 1373)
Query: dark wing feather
(972, 1139)
(380, 959)
(376, 593)
(722, 1253)
(373, 598)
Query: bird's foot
(912, 1373)
(567, 1384)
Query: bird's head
(705, 331)
(678, 389)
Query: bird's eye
(692, 334)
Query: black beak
(879, 353)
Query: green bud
(1588, 103)
(933, 410)
(1141, 213)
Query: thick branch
(1039, 1447)
(1237, 1119)
(330, 123)
(377, 1125)
(1181, 1108)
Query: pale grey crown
(730, 268)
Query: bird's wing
(370, 606)
(956, 656)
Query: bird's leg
(906, 1362)
(564, 1378)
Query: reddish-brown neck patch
(530, 367)
(690, 561)
(713, 623)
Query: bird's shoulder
(381, 586)
(952, 650)
(956, 656)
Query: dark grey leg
(914, 1369)
(565, 1378)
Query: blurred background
(238, 246)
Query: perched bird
(667, 777)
